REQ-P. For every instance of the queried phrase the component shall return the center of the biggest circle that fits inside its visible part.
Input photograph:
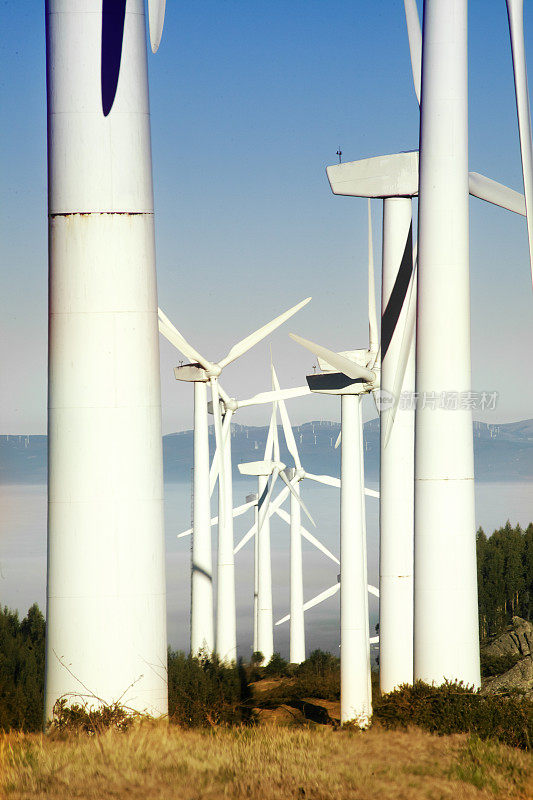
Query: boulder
(517, 640)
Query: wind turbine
(272, 467)
(298, 474)
(106, 596)
(204, 482)
(394, 178)
(201, 371)
(351, 375)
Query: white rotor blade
(405, 349)
(315, 601)
(268, 397)
(173, 335)
(237, 512)
(156, 18)
(293, 491)
(324, 596)
(415, 43)
(372, 315)
(327, 480)
(309, 536)
(286, 423)
(269, 445)
(246, 344)
(371, 493)
(516, 27)
(245, 539)
(277, 456)
(496, 193)
(343, 364)
(374, 640)
(264, 507)
(213, 471)
(339, 439)
(219, 436)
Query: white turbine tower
(201, 370)
(106, 596)
(446, 638)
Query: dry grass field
(153, 760)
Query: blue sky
(249, 103)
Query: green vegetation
(455, 708)
(505, 577)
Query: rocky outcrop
(517, 640)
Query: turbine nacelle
(382, 176)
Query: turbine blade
(245, 539)
(246, 344)
(314, 601)
(343, 364)
(269, 446)
(237, 512)
(516, 29)
(213, 472)
(282, 514)
(219, 436)
(327, 480)
(496, 193)
(286, 423)
(372, 315)
(371, 493)
(264, 507)
(373, 590)
(293, 491)
(415, 43)
(268, 397)
(403, 357)
(173, 335)
(339, 439)
(156, 18)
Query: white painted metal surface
(446, 642)
(356, 702)
(396, 524)
(106, 601)
(297, 624)
(265, 634)
(226, 625)
(202, 634)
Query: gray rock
(518, 677)
(517, 640)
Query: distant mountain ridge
(502, 452)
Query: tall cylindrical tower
(202, 635)
(396, 523)
(106, 600)
(446, 641)
(297, 624)
(265, 632)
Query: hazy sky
(249, 103)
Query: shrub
(276, 667)
(79, 718)
(455, 708)
(205, 691)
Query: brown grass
(159, 761)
